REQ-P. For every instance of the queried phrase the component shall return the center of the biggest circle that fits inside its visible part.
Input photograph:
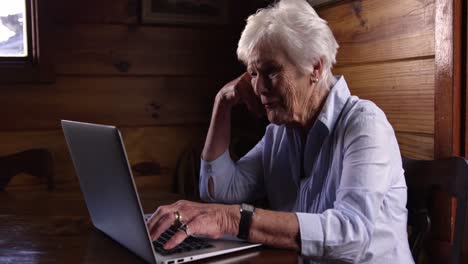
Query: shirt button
(208, 168)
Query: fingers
(245, 77)
(201, 219)
(177, 238)
(160, 212)
(254, 104)
(244, 84)
(192, 228)
(205, 224)
(164, 216)
(236, 90)
(164, 223)
(247, 95)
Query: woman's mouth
(270, 105)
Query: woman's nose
(261, 86)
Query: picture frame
(319, 3)
(184, 12)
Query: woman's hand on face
(212, 220)
(240, 91)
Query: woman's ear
(316, 72)
(318, 67)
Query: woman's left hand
(212, 220)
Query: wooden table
(55, 228)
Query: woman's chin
(275, 118)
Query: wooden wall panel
(129, 101)
(143, 50)
(154, 148)
(416, 146)
(465, 117)
(127, 11)
(110, 70)
(156, 81)
(94, 12)
(26, 183)
(160, 144)
(380, 30)
(448, 77)
(387, 56)
(403, 90)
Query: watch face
(247, 207)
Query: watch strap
(246, 215)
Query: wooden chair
(36, 162)
(424, 179)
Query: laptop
(109, 190)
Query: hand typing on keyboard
(189, 244)
(185, 218)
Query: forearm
(276, 229)
(219, 133)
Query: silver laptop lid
(105, 178)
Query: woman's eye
(272, 75)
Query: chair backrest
(423, 177)
(36, 162)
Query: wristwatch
(246, 213)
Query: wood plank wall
(387, 55)
(155, 82)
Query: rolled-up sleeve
(234, 182)
(345, 231)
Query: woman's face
(281, 87)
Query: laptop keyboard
(189, 244)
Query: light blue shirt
(351, 204)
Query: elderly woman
(329, 164)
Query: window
(13, 30)
(19, 45)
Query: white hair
(293, 27)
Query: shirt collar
(335, 103)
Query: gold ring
(178, 218)
(184, 227)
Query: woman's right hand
(235, 92)
(240, 91)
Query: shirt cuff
(311, 232)
(220, 170)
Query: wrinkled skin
(213, 220)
